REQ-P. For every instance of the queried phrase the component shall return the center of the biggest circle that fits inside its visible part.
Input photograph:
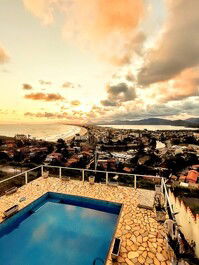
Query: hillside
(191, 123)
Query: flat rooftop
(143, 238)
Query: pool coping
(143, 239)
(114, 233)
(22, 209)
(46, 195)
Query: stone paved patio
(143, 238)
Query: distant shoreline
(184, 127)
(148, 127)
(82, 132)
(45, 133)
(189, 123)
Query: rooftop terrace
(143, 238)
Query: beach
(48, 132)
(82, 132)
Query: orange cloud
(100, 24)
(44, 97)
(181, 87)
(186, 84)
(95, 24)
(4, 58)
(43, 9)
(132, 44)
(26, 87)
(116, 15)
(178, 46)
(75, 103)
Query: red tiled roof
(127, 169)
(182, 178)
(192, 176)
(195, 166)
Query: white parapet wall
(189, 223)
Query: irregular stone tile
(137, 228)
(133, 254)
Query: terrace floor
(143, 238)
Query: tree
(19, 143)
(153, 143)
(50, 147)
(18, 156)
(4, 156)
(60, 145)
(64, 152)
(141, 148)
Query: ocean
(52, 132)
(149, 127)
(49, 132)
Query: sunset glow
(78, 61)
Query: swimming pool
(59, 229)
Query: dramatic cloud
(178, 48)
(116, 15)
(95, 24)
(4, 58)
(129, 34)
(121, 91)
(190, 106)
(75, 103)
(26, 87)
(132, 46)
(44, 97)
(108, 103)
(115, 21)
(183, 86)
(118, 93)
(42, 82)
(140, 112)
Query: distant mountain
(191, 122)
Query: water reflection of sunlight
(69, 208)
(40, 232)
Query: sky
(80, 61)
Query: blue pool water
(59, 229)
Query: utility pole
(96, 160)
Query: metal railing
(167, 203)
(83, 171)
(134, 178)
(20, 179)
(25, 173)
(106, 177)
